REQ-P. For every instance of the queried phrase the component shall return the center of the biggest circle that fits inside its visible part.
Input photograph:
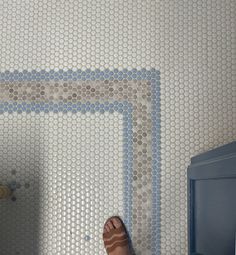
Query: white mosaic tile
(70, 166)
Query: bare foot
(115, 237)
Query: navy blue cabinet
(212, 202)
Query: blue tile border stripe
(134, 74)
(153, 76)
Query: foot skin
(115, 237)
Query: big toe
(108, 226)
(116, 222)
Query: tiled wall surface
(192, 43)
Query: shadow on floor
(19, 217)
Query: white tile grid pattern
(78, 154)
(192, 43)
